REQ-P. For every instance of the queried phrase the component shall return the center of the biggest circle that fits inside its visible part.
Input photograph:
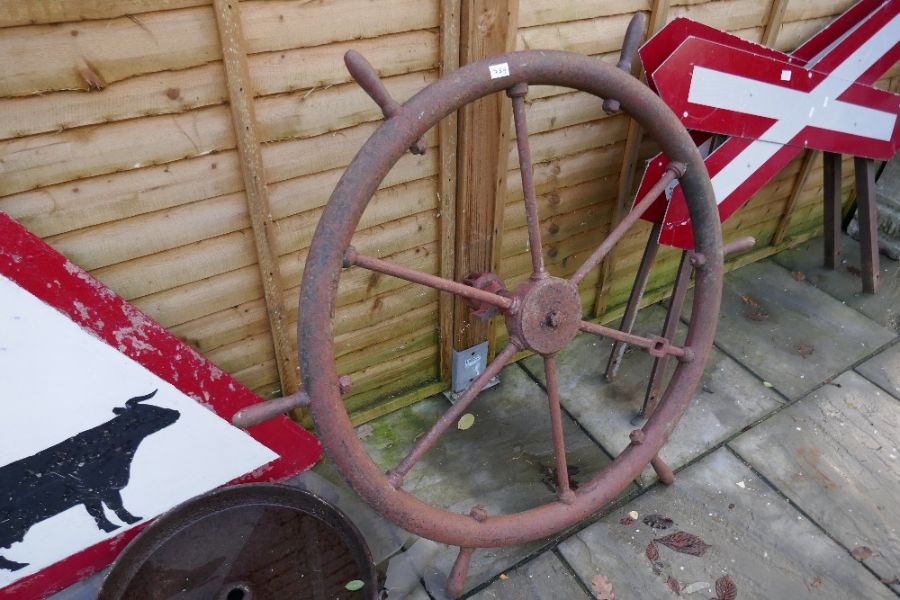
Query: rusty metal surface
(327, 255)
(250, 542)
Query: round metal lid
(246, 542)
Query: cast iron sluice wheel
(543, 314)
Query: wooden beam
(487, 27)
(773, 22)
(243, 116)
(805, 168)
(659, 14)
(447, 132)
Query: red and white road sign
(772, 104)
(108, 421)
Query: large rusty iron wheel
(543, 314)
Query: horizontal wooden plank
(562, 201)
(568, 171)
(593, 216)
(46, 159)
(207, 258)
(146, 234)
(727, 15)
(409, 320)
(796, 32)
(543, 12)
(93, 54)
(586, 36)
(559, 143)
(801, 10)
(16, 12)
(185, 89)
(74, 205)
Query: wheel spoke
(396, 474)
(673, 171)
(559, 443)
(517, 94)
(656, 346)
(371, 263)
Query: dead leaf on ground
(684, 542)
(816, 582)
(465, 421)
(602, 588)
(798, 276)
(626, 521)
(861, 553)
(674, 585)
(853, 270)
(651, 552)
(658, 521)
(758, 315)
(748, 299)
(550, 478)
(725, 588)
(805, 350)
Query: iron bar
(351, 258)
(634, 300)
(396, 475)
(673, 171)
(566, 494)
(658, 346)
(517, 94)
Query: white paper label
(785, 75)
(501, 70)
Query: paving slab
(767, 548)
(501, 462)
(544, 578)
(730, 397)
(790, 333)
(835, 454)
(884, 369)
(844, 283)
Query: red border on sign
(36, 267)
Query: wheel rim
(332, 238)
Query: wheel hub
(547, 314)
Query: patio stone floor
(786, 462)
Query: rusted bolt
(637, 437)
(350, 257)
(479, 513)
(519, 89)
(345, 384)
(698, 259)
(688, 355)
(679, 168)
(554, 319)
(395, 479)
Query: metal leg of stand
(634, 300)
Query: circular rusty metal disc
(249, 542)
(548, 315)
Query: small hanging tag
(501, 70)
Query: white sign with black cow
(91, 442)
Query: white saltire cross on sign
(774, 105)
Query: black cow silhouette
(89, 468)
